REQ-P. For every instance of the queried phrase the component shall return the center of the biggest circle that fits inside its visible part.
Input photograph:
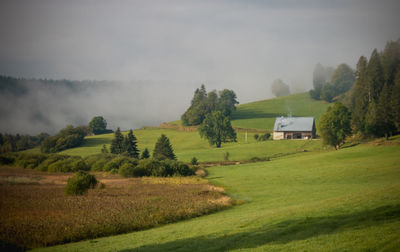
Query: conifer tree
(374, 77)
(395, 100)
(390, 61)
(163, 149)
(130, 147)
(117, 144)
(145, 154)
(384, 116)
(359, 99)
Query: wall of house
(278, 135)
(293, 135)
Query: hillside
(189, 144)
(262, 114)
(255, 115)
(332, 201)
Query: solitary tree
(117, 144)
(130, 147)
(163, 149)
(98, 125)
(279, 88)
(217, 129)
(334, 125)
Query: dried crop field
(34, 211)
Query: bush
(29, 160)
(50, 160)
(127, 170)
(164, 168)
(256, 136)
(264, 137)
(101, 161)
(80, 183)
(68, 164)
(194, 161)
(7, 159)
(117, 162)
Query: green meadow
(341, 200)
(308, 197)
(262, 114)
(189, 144)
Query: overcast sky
(241, 45)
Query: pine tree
(117, 144)
(145, 154)
(130, 147)
(163, 149)
(395, 100)
(359, 99)
(374, 77)
(384, 116)
(391, 61)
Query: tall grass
(40, 214)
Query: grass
(314, 201)
(189, 144)
(35, 211)
(262, 114)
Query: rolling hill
(262, 114)
(256, 115)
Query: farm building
(294, 128)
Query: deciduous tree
(217, 129)
(334, 125)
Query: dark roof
(294, 124)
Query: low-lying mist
(34, 106)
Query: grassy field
(262, 114)
(189, 144)
(256, 115)
(34, 210)
(314, 201)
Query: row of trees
(372, 105)
(375, 98)
(67, 137)
(128, 146)
(330, 84)
(11, 143)
(204, 103)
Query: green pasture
(345, 200)
(189, 144)
(262, 114)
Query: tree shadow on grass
(252, 114)
(92, 142)
(281, 233)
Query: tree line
(331, 84)
(372, 106)
(127, 146)
(17, 142)
(374, 101)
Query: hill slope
(328, 201)
(261, 114)
(255, 115)
(189, 144)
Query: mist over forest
(31, 106)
